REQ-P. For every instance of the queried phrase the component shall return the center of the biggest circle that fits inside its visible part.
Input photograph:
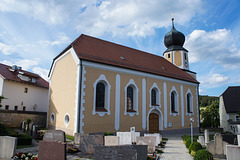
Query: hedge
(23, 139)
(195, 146)
(203, 154)
(188, 141)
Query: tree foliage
(206, 100)
(210, 115)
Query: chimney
(14, 67)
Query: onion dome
(174, 39)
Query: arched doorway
(153, 123)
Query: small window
(25, 90)
(66, 119)
(52, 118)
(15, 108)
(169, 55)
(189, 108)
(100, 97)
(130, 99)
(24, 108)
(185, 56)
(30, 79)
(154, 97)
(174, 102)
(7, 107)
(237, 118)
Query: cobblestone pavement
(175, 149)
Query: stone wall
(14, 118)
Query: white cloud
(216, 46)
(134, 18)
(213, 80)
(6, 49)
(26, 64)
(42, 72)
(96, 17)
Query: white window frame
(158, 95)
(52, 121)
(191, 103)
(104, 80)
(176, 102)
(135, 98)
(64, 119)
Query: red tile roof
(101, 51)
(13, 76)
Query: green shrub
(194, 147)
(203, 154)
(23, 139)
(185, 137)
(188, 141)
(108, 133)
(3, 130)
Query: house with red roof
(23, 90)
(229, 109)
(100, 86)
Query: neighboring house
(23, 90)
(229, 109)
(99, 86)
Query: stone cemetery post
(133, 137)
(206, 136)
(7, 147)
(23, 125)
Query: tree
(211, 115)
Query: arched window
(174, 107)
(100, 96)
(189, 103)
(154, 97)
(130, 99)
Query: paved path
(175, 149)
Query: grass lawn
(69, 137)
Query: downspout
(199, 128)
(80, 98)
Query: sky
(33, 32)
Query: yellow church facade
(99, 86)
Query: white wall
(1, 85)
(223, 115)
(14, 92)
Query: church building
(100, 86)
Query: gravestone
(123, 152)
(77, 137)
(201, 140)
(23, 125)
(88, 142)
(147, 140)
(157, 135)
(233, 152)
(50, 150)
(54, 135)
(126, 138)
(133, 138)
(111, 140)
(206, 136)
(217, 147)
(7, 147)
(34, 130)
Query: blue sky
(33, 32)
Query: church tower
(175, 52)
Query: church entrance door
(153, 123)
